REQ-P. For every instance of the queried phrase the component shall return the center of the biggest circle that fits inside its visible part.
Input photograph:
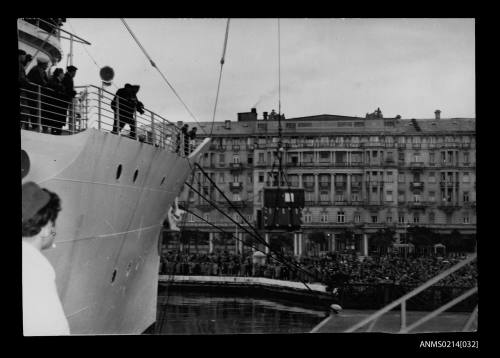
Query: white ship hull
(107, 246)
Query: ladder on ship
(370, 321)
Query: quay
(317, 294)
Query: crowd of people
(57, 92)
(331, 269)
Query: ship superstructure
(115, 192)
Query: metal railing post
(99, 94)
(403, 315)
(117, 119)
(39, 109)
(86, 108)
(153, 128)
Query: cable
(222, 60)
(88, 53)
(161, 74)
(256, 234)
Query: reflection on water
(205, 312)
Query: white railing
(45, 110)
(404, 328)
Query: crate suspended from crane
(282, 209)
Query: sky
(407, 67)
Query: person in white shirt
(43, 314)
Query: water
(206, 311)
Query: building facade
(361, 174)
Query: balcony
(324, 185)
(416, 185)
(417, 165)
(325, 203)
(235, 186)
(448, 183)
(235, 166)
(308, 185)
(417, 204)
(356, 185)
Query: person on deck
(43, 313)
(69, 90)
(38, 77)
(57, 104)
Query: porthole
(135, 174)
(113, 276)
(162, 181)
(118, 171)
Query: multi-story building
(361, 174)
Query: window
(309, 196)
(443, 157)
(416, 198)
(466, 157)
(388, 196)
(432, 218)
(432, 196)
(249, 178)
(324, 157)
(261, 177)
(374, 154)
(390, 178)
(355, 197)
(324, 196)
(416, 157)
(466, 178)
(374, 190)
(222, 158)
(261, 158)
(401, 218)
(357, 218)
(207, 217)
(236, 159)
(388, 219)
(340, 217)
(259, 196)
(401, 196)
(432, 177)
(416, 218)
(339, 196)
(250, 159)
(236, 197)
(401, 178)
(190, 217)
(289, 198)
(431, 157)
(401, 156)
(324, 218)
(466, 219)
(221, 178)
(374, 219)
(307, 218)
(466, 196)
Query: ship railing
(45, 110)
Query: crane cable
(161, 73)
(222, 60)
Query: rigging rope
(256, 234)
(222, 60)
(161, 73)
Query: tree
(347, 237)
(383, 239)
(422, 237)
(318, 240)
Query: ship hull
(115, 194)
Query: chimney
(265, 116)
(227, 124)
(437, 112)
(254, 110)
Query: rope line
(161, 74)
(222, 60)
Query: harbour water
(214, 312)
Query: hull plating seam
(104, 236)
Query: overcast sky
(346, 67)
